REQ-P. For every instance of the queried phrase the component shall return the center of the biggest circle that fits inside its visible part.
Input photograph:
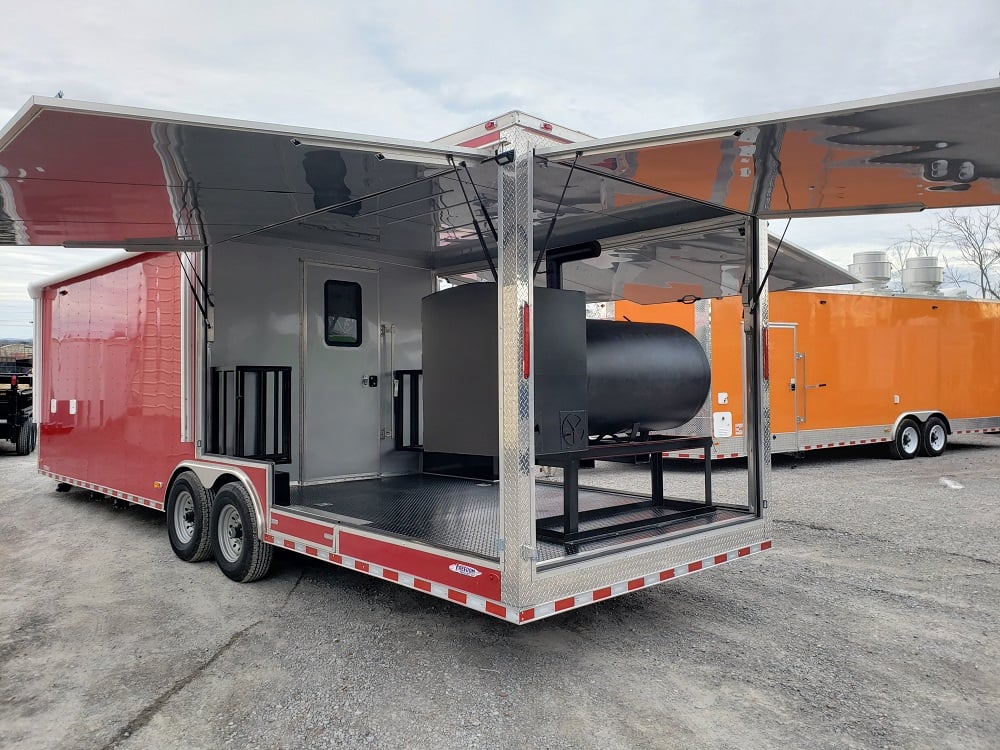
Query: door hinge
(528, 552)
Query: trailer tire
(26, 437)
(935, 437)
(906, 443)
(236, 543)
(189, 518)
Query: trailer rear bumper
(607, 576)
(618, 588)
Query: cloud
(20, 266)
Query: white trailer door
(340, 366)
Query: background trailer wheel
(189, 511)
(906, 443)
(26, 437)
(236, 542)
(935, 437)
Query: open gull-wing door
(711, 262)
(80, 174)
(932, 149)
(691, 262)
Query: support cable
(788, 203)
(552, 224)
(482, 205)
(475, 221)
(196, 211)
(335, 206)
(194, 291)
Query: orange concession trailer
(849, 368)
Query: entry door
(341, 375)
(786, 388)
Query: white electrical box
(723, 424)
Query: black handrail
(406, 401)
(262, 391)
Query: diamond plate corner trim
(701, 423)
(759, 439)
(514, 270)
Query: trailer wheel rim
(230, 534)
(184, 517)
(909, 440)
(936, 437)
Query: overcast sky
(424, 69)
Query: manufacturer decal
(465, 570)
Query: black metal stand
(547, 529)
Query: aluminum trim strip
(357, 141)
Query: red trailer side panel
(111, 407)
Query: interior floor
(463, 514)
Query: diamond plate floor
(463, 515)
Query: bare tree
(969, 236)
(975, 235)
(957, 275)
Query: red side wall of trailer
(111, 353)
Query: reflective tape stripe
(110, 492)
(622, 587)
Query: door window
(342, 313)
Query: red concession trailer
(275, 362)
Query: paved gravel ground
(873, 623)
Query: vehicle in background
(852, 368)
(16, 394)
